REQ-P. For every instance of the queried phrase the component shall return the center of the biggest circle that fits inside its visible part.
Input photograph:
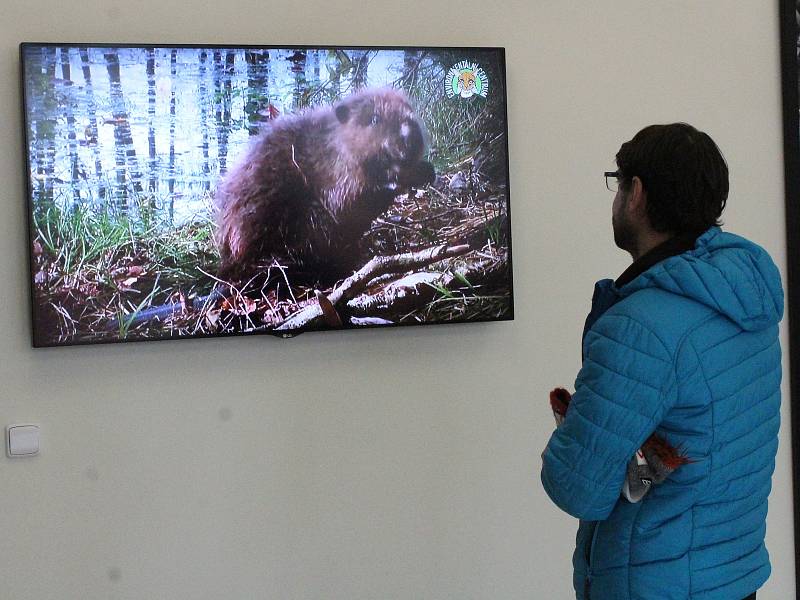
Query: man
(683, 344)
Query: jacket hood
(724, 271)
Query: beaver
(311, 184)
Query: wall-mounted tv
(195, 191)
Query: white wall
(383, 464)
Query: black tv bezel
(791, 164)
(279, 334)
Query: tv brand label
(466, 79)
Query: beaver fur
(311, 183)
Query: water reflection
(113, 127)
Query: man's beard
(624, 232)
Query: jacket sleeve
(625, 386)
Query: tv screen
(194, 191)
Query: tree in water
(66, 75)
(257, 90)
(223, 92)
(203, 93)
(91, 129)
(125, 154)
(315, 68)
(360, 70)
(338, 64)
(298, 68)
(173, 62)
(151, 117)
(42, 103)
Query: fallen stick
(358, 281)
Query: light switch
(22, 440)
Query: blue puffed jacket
(688, 349)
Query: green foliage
(456, 128)
(93, 264)
(126, 321)
(83, 238)
(495, 232)
(462, 279)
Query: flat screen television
(196, 191)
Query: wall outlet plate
(22, 440)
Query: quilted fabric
(688, 349)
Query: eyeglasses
(612, 180)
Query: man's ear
(637, 199)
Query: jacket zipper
(589, 561)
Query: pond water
(115, 127)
